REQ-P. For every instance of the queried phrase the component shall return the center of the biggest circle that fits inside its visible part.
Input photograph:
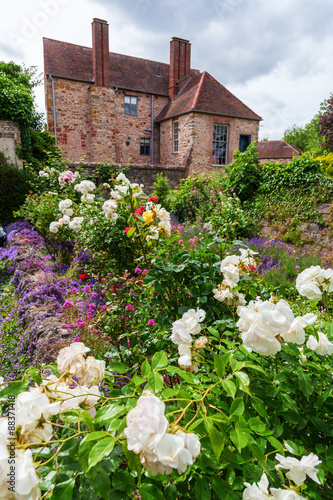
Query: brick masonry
(9, 139)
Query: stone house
(277, 151)
(105, 106)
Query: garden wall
(142, 174)
(9, 138)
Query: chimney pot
(180, 64)
(100, 51)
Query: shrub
(326, 164)
(243, 173)
(162, 190)
(14, 186)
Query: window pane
(145, 146)
(220, 142)
(130, 105)
(244, 142)
(175, 136)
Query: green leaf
(220, 364)
(15, 388)
(220, 486)
(63, 491)
(259, 406)
(305, 384)
(94, 436)
(108, 412)
(188, 377)
(229, 387)
(257, 425)
(170, 492)
(202, 489)
(149, 491)
(243, 381)
(130, 232)
(145, 368)
(237, 408)
(102, 449)
(117, 367)
(214, 332)
(159, 360)
(101, 484)
(123, 481)
(288, 402)
(155, 381)
(216, 440)
(275, 443)
(239, 438)
(87, 418)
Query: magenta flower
(67, 304)
(92, 305)
(129, 307)
(77, 339)
(94, 294)
(87, 288)
(151, 322)
(73, 290)
(137, 270)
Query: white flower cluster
(263, 323)
(298, 470)
(312, 282)
(232, 267)
(321, 346)
(160, 451)
(85, 187)
(64, 207)
(42, 173)
(75, 223)
(182, 331)
(124, 187)
(88, 198)
(33, 409)
(110, 209)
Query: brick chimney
(100, 51)
(180, 64)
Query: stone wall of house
(9, 139)
(91, 123)
(196, 139)
(141, 174)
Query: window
(244, 142)
(220, 144)
(144, 146)
(175, 136)
(130, 105)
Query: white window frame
(175, 136)
(217, 144)
(133, 101)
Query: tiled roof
(205, 94)
(276, 149)
(74, 62)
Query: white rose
(247, 256)
(88, 198)
(326, 279)
(74, 397)
(122, 178)
(180, 334)
(4, 466)
(71, 359)
(257, 491)
(299, 469)
(162, 213)
(166, 227)
(192, 318)
(230, 272)
(26, 480)
(64, 204)
(261, 341)
(94, 372)
(296, 332)
(146, 423)
(324, 346)
(54, 227)
(276, 317)
(233, 260)
(285, 495)
(308, 282)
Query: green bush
(162, 190)
(244, 173)
(14, 186)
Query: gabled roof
(202, 93)
(276, 149)
(74, 62)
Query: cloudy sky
(277, 57)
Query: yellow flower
(148, 216)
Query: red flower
(252, 268)
(83, 277)
(128, 228)
(153, 198)
(139, 211)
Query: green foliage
(326, 164)
(302, 172)
(14, 187)
(306, 138)
(109, 171)
(162, 190)
(230, 220)
(244, 173)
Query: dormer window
(131, 105)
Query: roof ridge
(196, 97)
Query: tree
(306, 138)
(325, 123)
(17, 103)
